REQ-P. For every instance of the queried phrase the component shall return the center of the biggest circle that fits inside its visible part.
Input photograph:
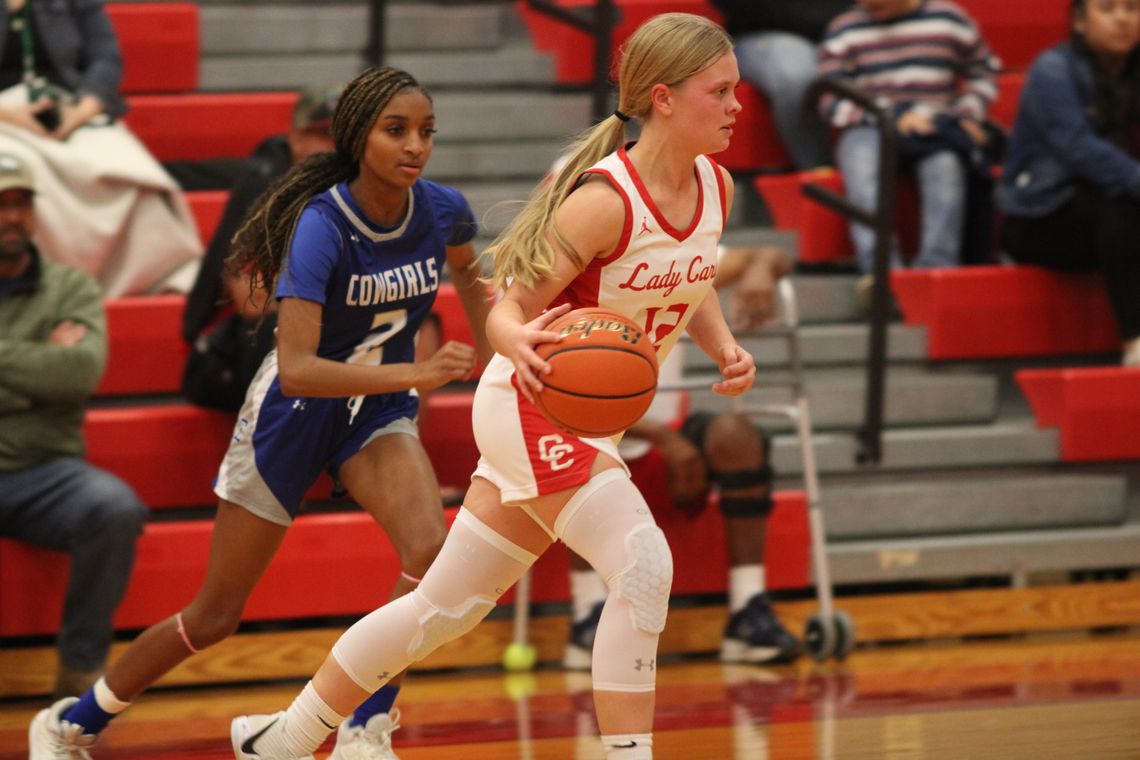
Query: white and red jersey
(657, 276)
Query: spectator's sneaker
(50, 737)
(372, 741)
(754, 634)
(258, 737)
(578, 654)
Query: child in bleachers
(926, 61)
(1070, 191)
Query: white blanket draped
(105, 205)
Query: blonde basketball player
(632, 228)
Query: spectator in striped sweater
(926, 62)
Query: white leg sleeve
(609, 525)
(474, 568)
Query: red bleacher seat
(169, 453)
(1096, 409)
(573, 50)
(822, 233)
(160, 46)
(1019, 30)
(755, 142)
(146, 352)
(357, 566)
(207, 207)
(1004, 110)
(195, 126)
(995, 312)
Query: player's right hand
(529, 366)
(453, 361)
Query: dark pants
(70, 506)
(1091, 232)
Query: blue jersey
(376, 285)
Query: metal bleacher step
(251, 28)
(980, 503)
(1005, 444)
(824, 344)
(511, 66)
(1004, 553)
(914, 397)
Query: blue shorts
(281, 445)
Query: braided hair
(262, 242)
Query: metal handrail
(881, 219)
(377, 21)
(598, 22)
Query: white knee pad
(609, 525)
(474, 568)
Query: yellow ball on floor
(518, 657)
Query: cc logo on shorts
(552, 450)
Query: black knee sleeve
(740, 480)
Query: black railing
(598, 22)
(881, 220)
(377, 17)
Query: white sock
(628, 746)
(106, 698)
(308, 722)
(587, 588)
(744, 582)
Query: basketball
(603, 373)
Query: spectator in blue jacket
(1070, 192)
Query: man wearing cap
(225, 358)
(52, 351)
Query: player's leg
(486, 551)
(609, 524)
(392, 479)
(241, 548)
(588, 590)
(738, 457)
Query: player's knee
(647, 577)
(205, 628)
(439, 625)
(734, 443)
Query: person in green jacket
(53, 348)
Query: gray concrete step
(978, 504)
(519, 161)
(250, 28)
(1005, 444)
(993, 554)
(914, 397)
(506, 67)
(821, 344)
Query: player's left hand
(738, 369)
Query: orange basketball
(603, 373)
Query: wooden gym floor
(1041, 696)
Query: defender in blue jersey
(355, 245)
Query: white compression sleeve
(473, 569)
(610, 526)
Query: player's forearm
(708, 328)
(503, 324)
(323, 378)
